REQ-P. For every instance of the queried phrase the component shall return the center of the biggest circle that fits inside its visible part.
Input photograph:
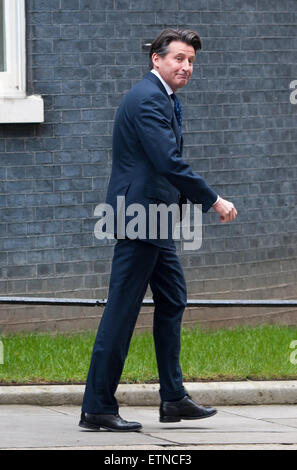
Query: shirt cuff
(218, 198)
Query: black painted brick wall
(239, 131)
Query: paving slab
(231, 438)
(31, 427)
(262, 411)
(234, 427)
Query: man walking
(148, 168)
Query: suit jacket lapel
(155, 79)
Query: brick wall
(239, 131)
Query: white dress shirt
(166, 86)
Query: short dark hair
(162, 41)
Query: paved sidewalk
(234, 427)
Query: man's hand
(226, 210)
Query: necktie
(178, 111)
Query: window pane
(2, 38)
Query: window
(15, 105)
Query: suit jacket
(147, 164)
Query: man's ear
(155, 59)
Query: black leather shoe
(108, 422)
(186, 408)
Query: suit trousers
(137, 264)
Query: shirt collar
(167, 87)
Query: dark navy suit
(147, 168)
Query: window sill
(16, 110)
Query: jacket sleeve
(152, 120)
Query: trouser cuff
(173, 395)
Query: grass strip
(242, 353)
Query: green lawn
(255, 353)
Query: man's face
(176, 67)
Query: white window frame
(15, 105)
